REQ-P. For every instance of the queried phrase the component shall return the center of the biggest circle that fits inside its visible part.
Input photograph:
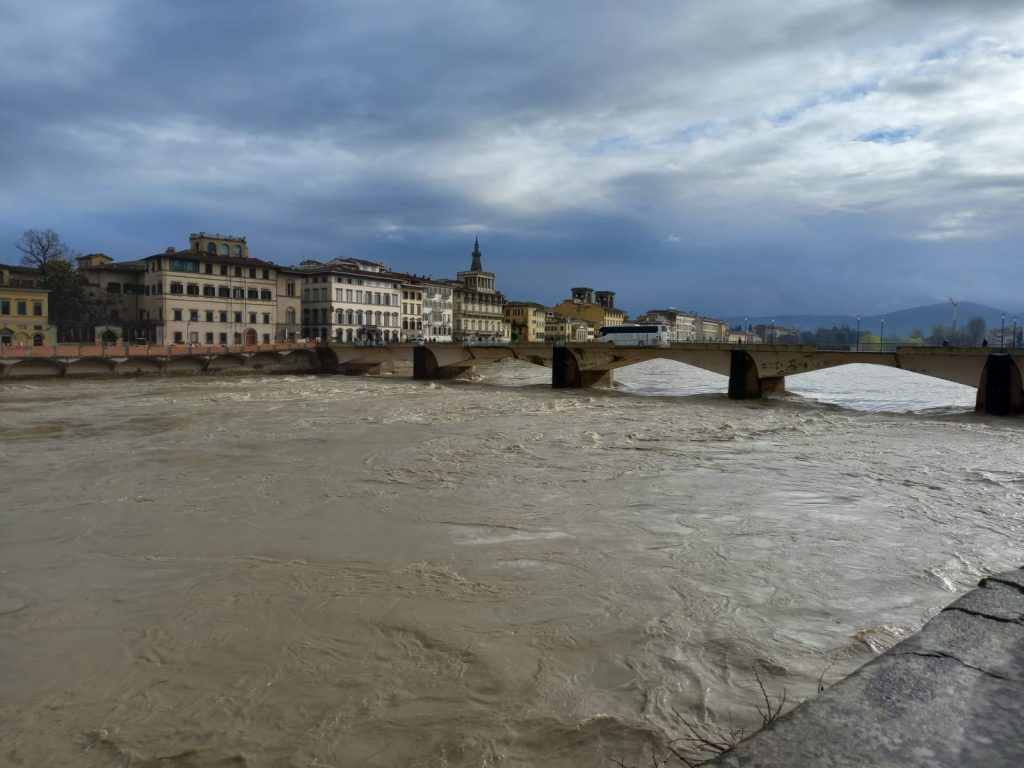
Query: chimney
(170, 249)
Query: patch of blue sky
(608, 145)
(690, 134)
(889, 135)
(834, 96)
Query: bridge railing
(17, 352)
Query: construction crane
(954, 302)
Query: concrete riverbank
(950, 695)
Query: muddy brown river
(350, 571)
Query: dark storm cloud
(700, 153)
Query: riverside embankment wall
(77, 360)
(950, 695)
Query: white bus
(634, 335)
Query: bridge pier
(425, 367)
(744, 381)
(566, 373)
(1000, 392)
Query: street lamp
(773, 331)
(1014, 342)
(881, 335)
(1002, 333)
(858, 333)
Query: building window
(266, 295)
(209, 315)
(177, 314)
(238, 271)
(266, 274)
(184, 265)
(209, 290)
(223, 338)
(223, 269)
(37, 308)
(177, 288)
(266, 338)
(238, 317)
(209, 337)
(252, 272)
(252, 318)
(223, 291)
(289, 316)
(211, 248)
(254, 293)
(193, 289)
(224, 249)
(37, 340)
(238, 250)
(289, 289)
(266, 318)
(223, 316)
(208, 268)
(177, 337)
(238, 293)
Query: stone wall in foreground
(950, 695)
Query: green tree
(68, 303)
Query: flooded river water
(351, 571)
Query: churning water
(334, 571)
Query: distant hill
(902, 322)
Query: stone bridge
(752, 370)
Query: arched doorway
(250, 337)
(108, 337)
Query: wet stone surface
(953, 694)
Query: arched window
(323, 316)
(376, 320)
(238, 250)
(37, 340)
(351, 318)
(359, 317)
(211, 247)
(223, 249)
(394, 319)
(348, 335)
(341, 318)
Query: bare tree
(976, 328)
(40, 247)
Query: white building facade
(350, 301)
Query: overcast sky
(733, 157)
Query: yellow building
(598, 308)
(527, 319)
(24, 308)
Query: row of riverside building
(216, 293)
